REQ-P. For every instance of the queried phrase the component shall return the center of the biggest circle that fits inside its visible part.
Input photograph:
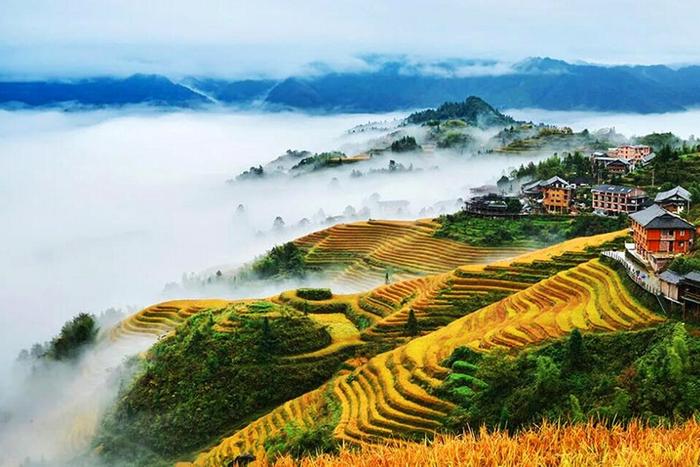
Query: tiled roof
(692, 276)
(612, 189)
(656, 217)
(670, 277)
(677, 191)
(552, 180)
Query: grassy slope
(530, 231)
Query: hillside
(394, 393)
(374, 322)
(473, 111)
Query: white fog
(102, 209)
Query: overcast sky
(241, 38)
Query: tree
(75, 334)
(267, 340)
(278, 223)
(407, 143)
(576, 350)
(412, 328)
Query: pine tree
(411, 324)
(267, 342)
(576, 349)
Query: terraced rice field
(387, 397)
(360, 253)
(162, 318)
(343, 334)
(439, 299)
(301, 411)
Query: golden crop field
(360, 253)
(386, 396)
(585, 445)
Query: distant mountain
(473, 111)
(97, 92)
(542, 83)
(397, 84)
(232, 92)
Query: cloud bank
(276, 38)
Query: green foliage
(405, 144)
(668, 170)
(281, 261)
(315, 294)
(481, 231)
(685, 264)
(454, 139)
(576, 350)
(200, 384)
(302, 441)
(534, 231)
(412, 327)
(583, 226)
(260, 306)
(75, 335)
(569, 167)
(267, 344)
(320, 161)
(660, 140)
(252, 173)
(652, 374)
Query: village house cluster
(659, 233)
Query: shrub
(315, 294)
(684, 264)
(302, 441)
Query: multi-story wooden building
(612, 165)
(674, 200)
(660, 235)
(633, 153)
(557, 195)
(615, 199)
(554, 195)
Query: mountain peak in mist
(473, 111)
(542, 65)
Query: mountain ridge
(396, 84)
